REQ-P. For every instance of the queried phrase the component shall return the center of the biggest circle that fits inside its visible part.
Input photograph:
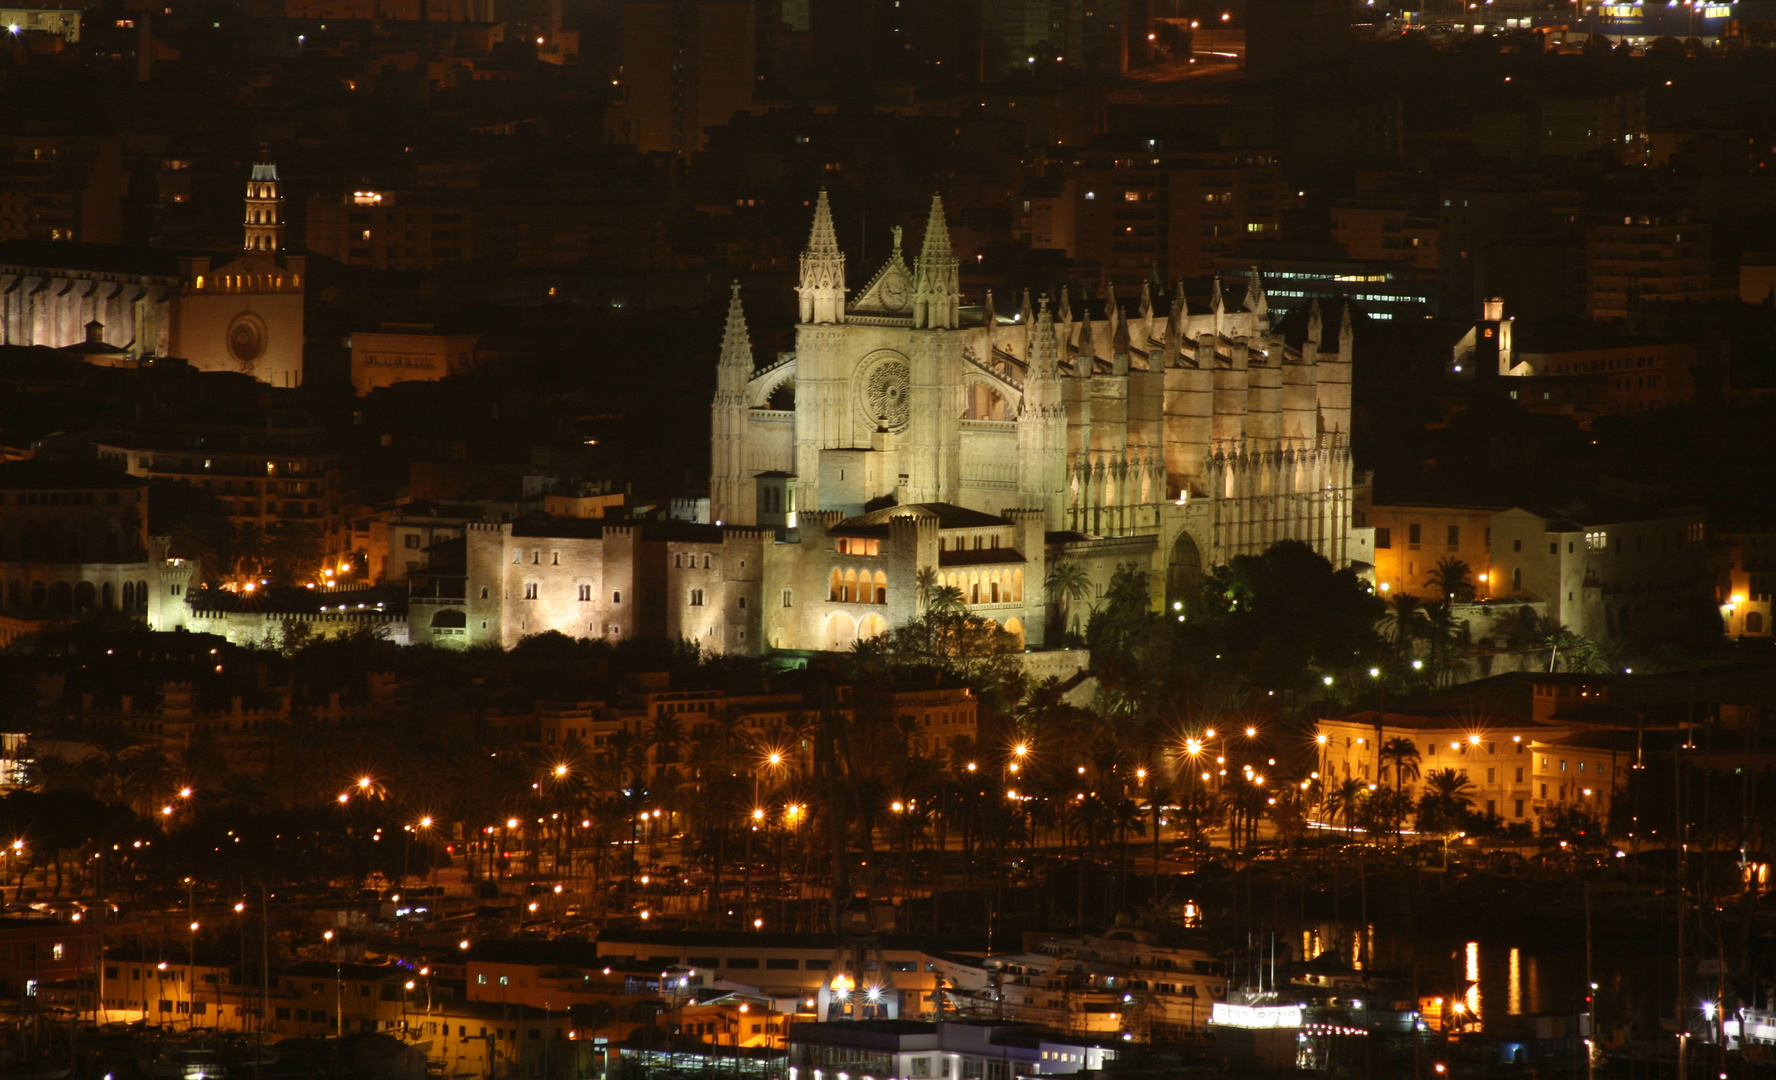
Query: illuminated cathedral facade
(910, 440)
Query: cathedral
(114, 305)
(911, 442)
(1172, 440)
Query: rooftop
(948, 515)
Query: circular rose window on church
(246, 340)
(884, 391)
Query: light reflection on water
(1521, 973)
(1472, 974)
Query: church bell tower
(265, 220)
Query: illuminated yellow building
(1410, 540)
(1518, 769)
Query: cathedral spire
(936, 242)
(265, 221)
(822, 291)
(1086, 357)
(1146, 300)
(1066, 306)
(1313, 324)
(1216, 303)
(823, 239)
(1044, 350)
(1025, 315)
(736, 348)
(936, 289)
(992, 317)
(729, 493)
(1256, 301)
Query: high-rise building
(61, 187)
(687, 66)
(1141, 209)
(1088, 34)
(1651, 257)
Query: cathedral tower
(1042, 426)
(265, 219)
(730, 497)
(937, 295)
(822, 290)
(823, 380)
(936, 389)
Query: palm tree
(1345, 800)
(1453, 581)
(1447, 797)
(945, 600)
(1445, 641)
(251, 547)
(1404, 623)
(1403, 754)
(1519, 629)
(665, 735)
(1066, 583)
(294, 550)
(926, 582)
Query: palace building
(910, 442)
(111, 304)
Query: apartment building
(1518, 768)
(260, 480)
(1141, 208)
(1388, 227)
(1651, 258)
(782, 721)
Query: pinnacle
(936, 244)
(823, 240)
(736, 342)
(1255, 298)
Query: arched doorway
(871, 626)
(841, 632)
(1184, 570)
(1015, 627)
